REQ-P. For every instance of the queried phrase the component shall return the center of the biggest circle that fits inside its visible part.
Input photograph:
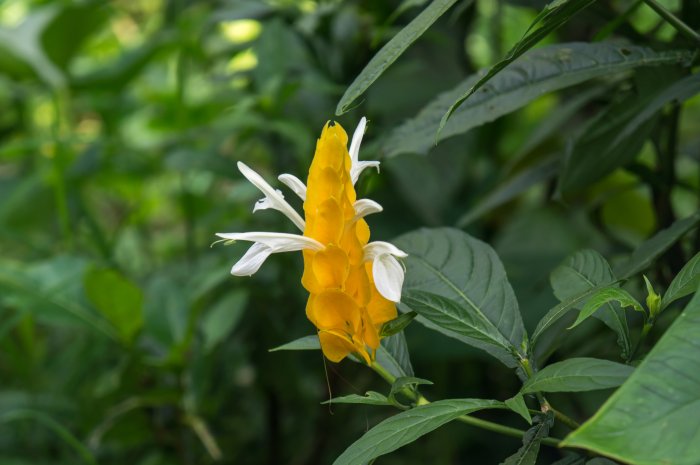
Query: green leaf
(391, 51)
(370, 398)
(551, 18)
(405, 383)
(510, 189)
(408, 426)
(118, 299)
(605, 296)
(572, 459)
(578, 374)
(618, 134)
(527, 454)
(449, 315)
(303, 343)
(220, 320)
(652, 419)
(517, 404)
(644, 255)
(397, 324)
(561, 309)
(460, 282)
(537, 72)
(394, 357)
(686, 282)
(584, 270)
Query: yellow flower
(353, 284)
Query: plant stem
(479, 423)
(645, 331)
(544, 404)
(674, 21)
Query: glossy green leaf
(644, 255)
(617, 136)
(391, 51)
(652, 419)
(554, 15)
(537, 72)
(370, 398)
(118, 299)
(686, 282)
(303, 343)
(220, 320)
(603, 297)
(527, 454)
(518, 405)
(408, 426)
(397, 324)
(578, 374)
(460, 282)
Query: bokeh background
(123, 338)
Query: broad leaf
(370, 398)
(583, 271)
(603, 297)
(617, 136)
(644, 255)
(537, 72)
(578, 374)
(408, 426)
(456, 267)
(551, 18)
(394, 357)
(653, 418)
(119, 300)
(391, 51)
(527, 454)
(686, 282)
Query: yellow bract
(344, 303)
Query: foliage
(537, 158)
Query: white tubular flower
(267, 243)
(357, 166)
(364, 207)
(294, 183)
(273, 198)
(387, 271)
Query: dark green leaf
(474, 297)
(578, 374)
(605, 296)
(653, 418)
(551, 18)
(537, 72)
(117, 298)
(391, 51)
(585, 270)
(397, 325)
(220, 320)
(527, 454)
(406, 427)
(517, 404)
(370, 398)
(685, 282)
(394, 357)
(644, 255)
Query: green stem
(479, 423)
(645, 331)
(674, 21)
(544, 404)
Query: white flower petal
(273, 198)
(377, 248)
(357, 168)
(364, 207)
(388, 276)
(357, 140)
(252, 260)
(277, 242)
(294, 183)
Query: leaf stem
(674, 21)
(479, 423)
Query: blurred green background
(123, 338)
